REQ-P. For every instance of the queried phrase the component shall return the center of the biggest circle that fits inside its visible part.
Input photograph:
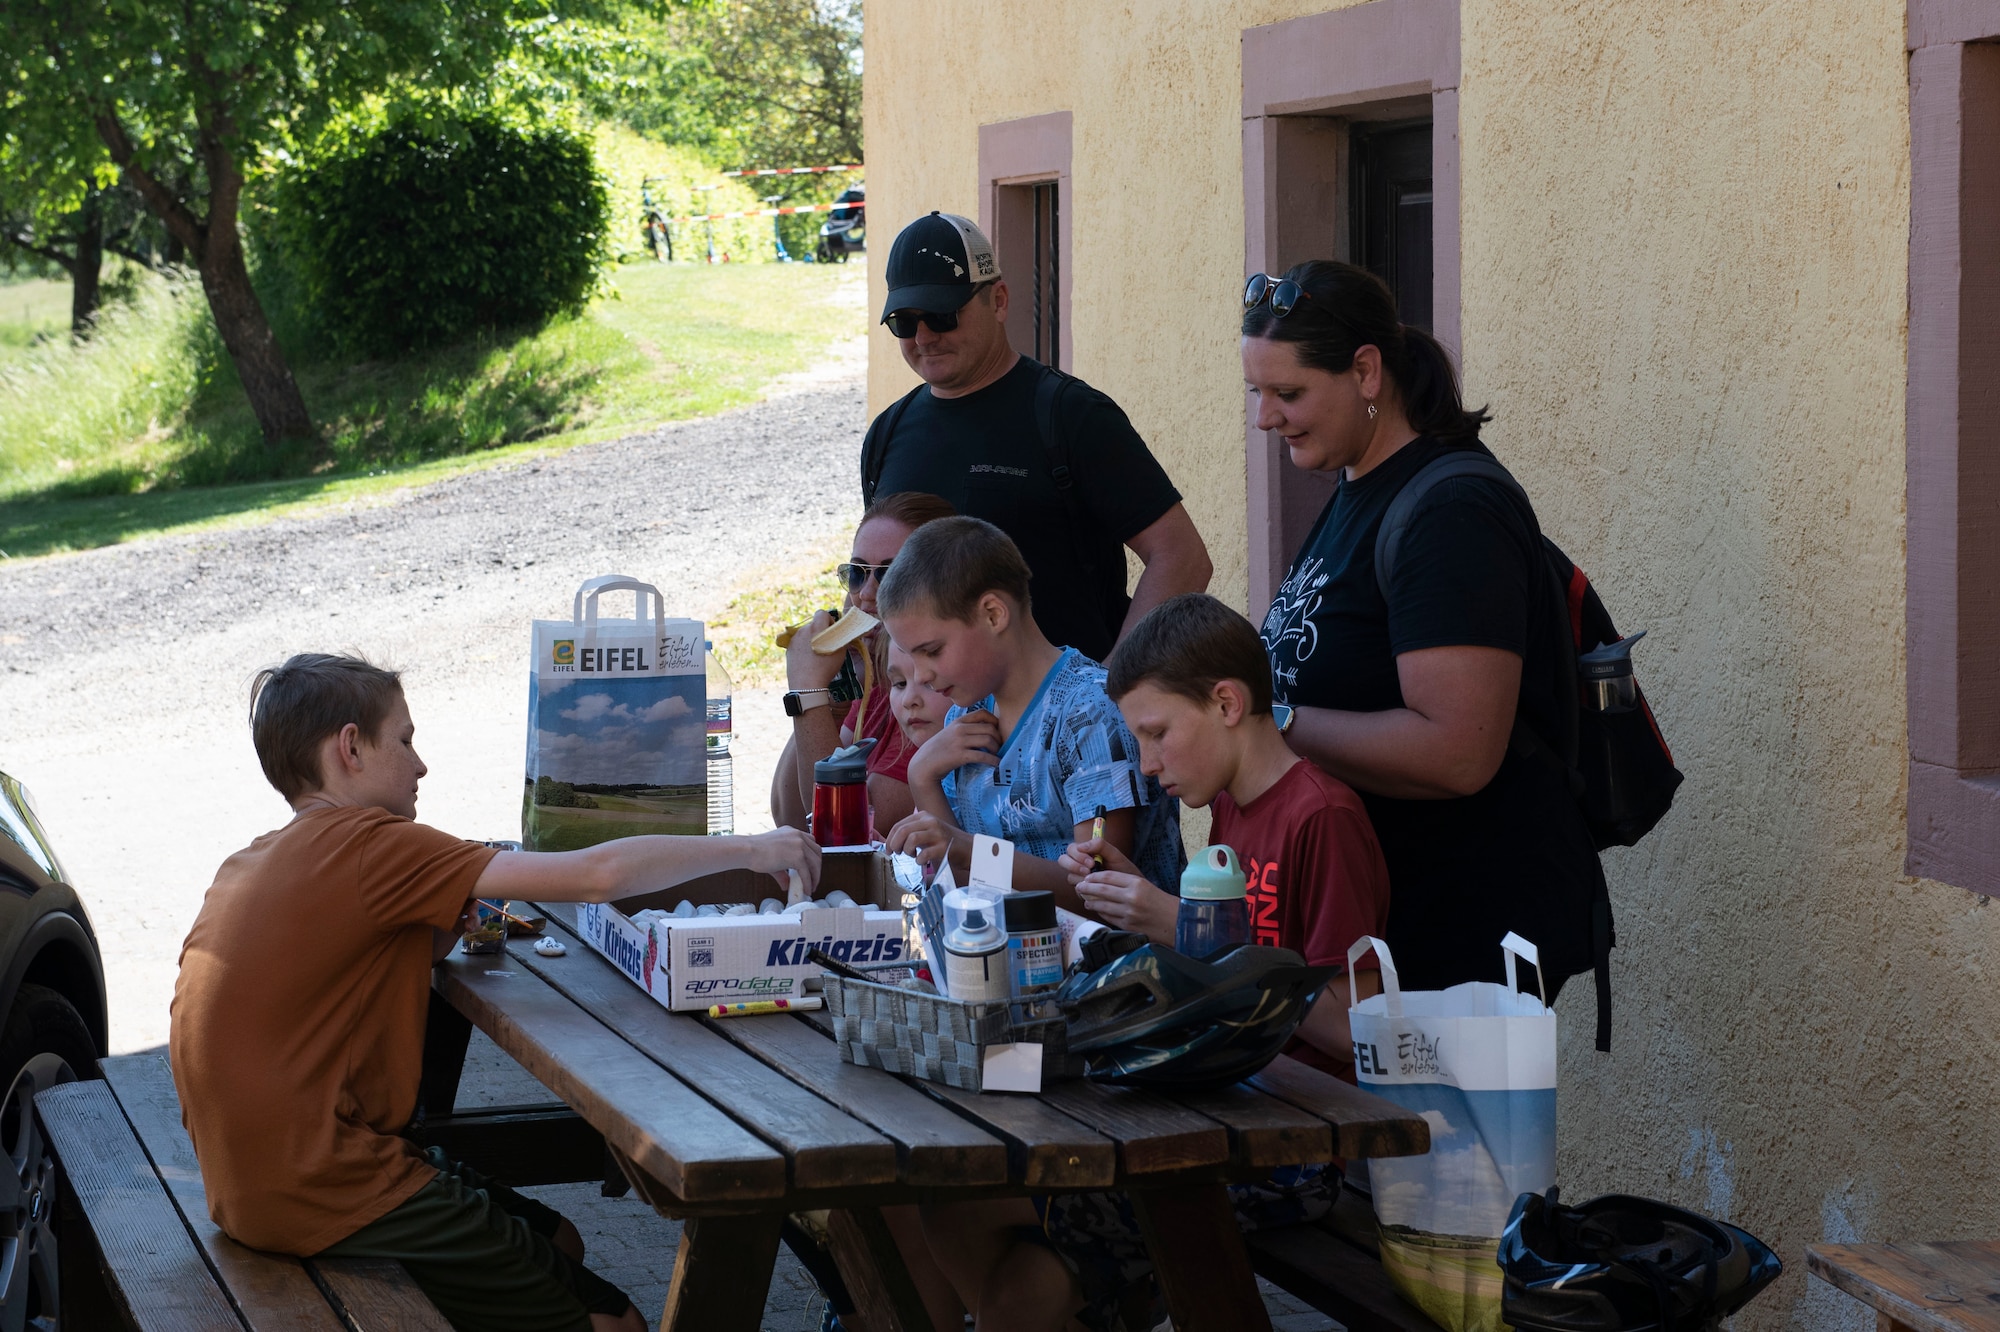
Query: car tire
(45, 1043)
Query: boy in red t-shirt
(1194, 685)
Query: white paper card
(992, 864)
(1015, 1066)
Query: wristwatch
(799, 702)
(1281, 713)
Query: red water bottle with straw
(840, 796)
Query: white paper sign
(1015, 1066)
(992, 865)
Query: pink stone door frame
(1383, 58)
(1952, 574)
(1028, 151)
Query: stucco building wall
(1684, 249)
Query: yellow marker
(756, 1006)
(1097, 835)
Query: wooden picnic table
(1953, 1287)
(733, 1124)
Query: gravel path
(124, 672)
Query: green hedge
(415, 235)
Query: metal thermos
(840, 796)
(1606, 676)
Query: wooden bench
(1333, 1266)
(137, 1247)
(1952, 1287)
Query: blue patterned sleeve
(1096, 758)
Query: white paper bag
(616, 729)
(1478, 1062)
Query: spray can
(975, 949)
(1034, 944)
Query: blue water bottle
(1214, 914)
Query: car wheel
(45, 1043)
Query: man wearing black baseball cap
(1041, 455)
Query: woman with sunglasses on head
(1409, 689)
(819, 725)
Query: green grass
(32, 310)
(145, 429)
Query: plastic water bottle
(721, 772)
(1214, 913)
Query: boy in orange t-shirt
(298, 1016)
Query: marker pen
(755, 1007)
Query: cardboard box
(689, 963)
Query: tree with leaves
(74, 228)
(193, 100)
(754, 83)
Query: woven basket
(940, 1040)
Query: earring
(1371, 411)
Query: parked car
(54, 1030)
(845, 230)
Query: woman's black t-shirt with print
(1517, 855)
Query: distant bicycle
(659, 239)
(845, 231)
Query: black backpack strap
(1524, 740)
(875, 447)
(1388, 545)
(1049, 394)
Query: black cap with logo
(936, 262)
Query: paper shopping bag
(1478, 1062)
(616, 743)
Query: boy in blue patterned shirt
(1032, 748)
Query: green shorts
(481, 1252)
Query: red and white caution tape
(796, 171)
(769, 212)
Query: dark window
(1047, 275)
(1390, 212)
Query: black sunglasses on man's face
(903, 323)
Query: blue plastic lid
(1213, 876)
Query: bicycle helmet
(1157, 1018)
(1624, 1264)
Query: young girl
(919, 709)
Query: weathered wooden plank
(656, 1119)
(872, 1268)
(272, 1292)
(1263, 1131)
(154, 1270)
(1950, 1287)
(519, 1145)
(722, 1273)
(1364, 1124)
(936, 1146)
(1199, 1259)
(1153, 1133)
(826, 1147)
(1045, 1148)
(1333, 1276)
(377, 1295)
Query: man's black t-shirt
(1517, 855)
(984, 452)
